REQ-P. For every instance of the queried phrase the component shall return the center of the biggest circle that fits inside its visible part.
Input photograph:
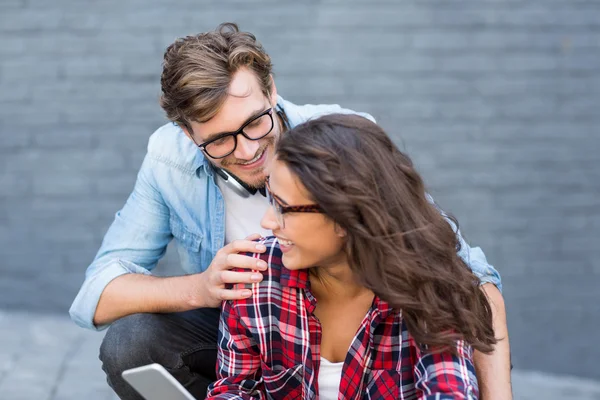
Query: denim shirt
(175, 196)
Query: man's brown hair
(197, 71)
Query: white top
(242, 215)
(330, 375)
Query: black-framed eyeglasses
(281, 209)
(225, 144)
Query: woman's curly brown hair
(398, 243)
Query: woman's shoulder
(275, 271)
(270, 291)
(273, 257)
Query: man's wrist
(193, 290)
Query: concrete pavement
(47, 357)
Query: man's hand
(137, 293)
(211, 290)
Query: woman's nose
(269, 220)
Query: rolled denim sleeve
(474, 256)
(475, 259)
(135, 241)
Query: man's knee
(132, 342)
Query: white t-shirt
(242, 215)
(330, 375)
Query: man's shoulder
(298, 114)
(170, 145)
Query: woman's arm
(238, 360)
(444, 376)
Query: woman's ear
(341, 232)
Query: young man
(201, 183)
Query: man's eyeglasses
(281, 208)
(225, 144)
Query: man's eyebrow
(250, 118)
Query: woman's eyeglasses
(281, 208)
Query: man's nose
(246, 149)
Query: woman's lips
(284, 247)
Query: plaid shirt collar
(300, 279)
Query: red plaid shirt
(269, 349)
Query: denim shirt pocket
(189, 240)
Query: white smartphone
(154, 382)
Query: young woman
(365, 297)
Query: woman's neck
(335, 282)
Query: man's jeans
(184, 343)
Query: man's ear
(273, 94)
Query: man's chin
(254, 179)
(255, 182)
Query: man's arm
(135, 241)
(136, 293)
(119, 282)
(493, 370)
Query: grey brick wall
(494, 99)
